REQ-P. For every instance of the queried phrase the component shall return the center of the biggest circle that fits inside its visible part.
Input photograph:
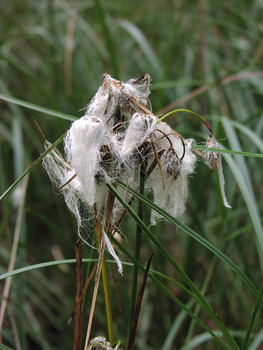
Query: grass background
(204, 56)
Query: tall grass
(205, 284)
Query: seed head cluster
(119, 138)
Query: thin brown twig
(66, 183)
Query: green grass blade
(37, 108)
(199, 340)
(249, 133)
(173, 297)
(196, 236)
(187, 280)
(249, 200)
(87, 260)
(253, 319)
(137, 257)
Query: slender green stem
(187, 111)
(253, 319)
(137, 256)
(197, 237)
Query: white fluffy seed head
(170, 191)
(120, 96)
(98, 104)
(113, 140)
(139, 129)
(82, 145)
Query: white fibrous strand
(119, 138)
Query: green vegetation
(204, 288)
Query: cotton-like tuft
(170, 192)
(82, 145)
(140, 128)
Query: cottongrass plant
(117, 137)
(119, 140)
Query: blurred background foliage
(202, 55)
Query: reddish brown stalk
(78, 312)
(39, 129)
(138, 305)
(83, 292)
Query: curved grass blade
(194, 235)
(250, 203)
(39, 266)
(137, 257)
(253, 319)
(199, 340)
(87, 260)
(183, 275)
(243, 178)
(172, 296)
(138, 306)
(248, 132)
(37, 108)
